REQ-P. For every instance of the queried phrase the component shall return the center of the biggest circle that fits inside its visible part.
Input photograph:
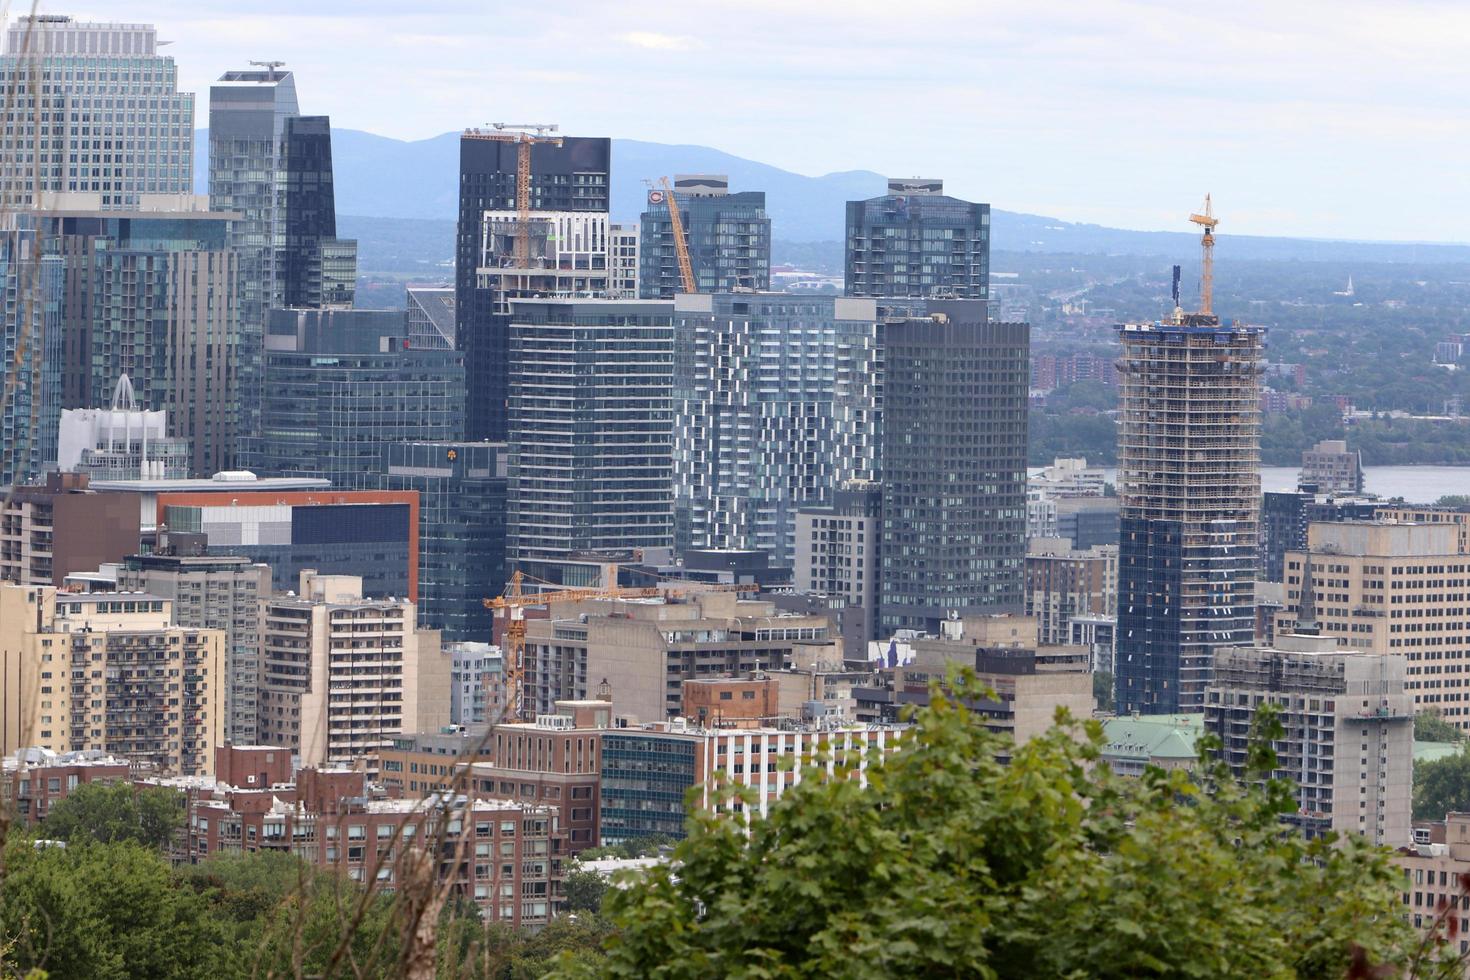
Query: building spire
(1306, 611)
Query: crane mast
(524, 136)
(1207, 221)
(681, 247)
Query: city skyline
(1091, 94)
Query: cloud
(660, 42)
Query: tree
(1430, 727)
(1102, 690)
(949, 863)
(584, 890)
(1442, 786)
(113, 812)
(1458, 500)
(105, 911)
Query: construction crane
(681, 247)
(1207, 258)
(525, 136)
(269, 66)
(515, 601)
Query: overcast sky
(1345, 119)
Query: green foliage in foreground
(1442, 786)
(113, 812)
(1430, 727)
(950, 864)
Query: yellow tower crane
(681, 247)
(515, 601)
(525, 136)
(1207, 259)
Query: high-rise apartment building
(569, 235)
(343, 383)
(728, 237)
(837, 550)
(1390, 589)
(211, 591)
(272, 166)
(341, 675)
(917, 241)
(622, 262)
(102, 114)
(31, 383)
(1349, 730)
(954, 466)
(109, 671)
(1189, 481)
(1063, 583)
(153, 293)
(462, 498)
(591, 430)
(755, 400)
(1286, 515)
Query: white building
(124, 442)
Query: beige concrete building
(1447, 516)
(1030, 681)
(646, 648)
(1432, 866)
(341, 675)
(1063, 582)
(110, 672)
(1349, 721)
(1392, 588)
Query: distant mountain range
(379, 177)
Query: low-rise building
(1434, 866)
(50, 531)
(36, 779)
(1136, 742)
(732, 702)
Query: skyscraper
(153, 295)
(917, 241)
(30, 413)
(954, 466)
(756, 405)
(103, 114)
(1189, 482)
(728, 237)
(569, 198)
(591, 425)
(273, 166)
(342, 383)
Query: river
(1416, 484)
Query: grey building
(462, 497)
(954, 466)
(103, 114)
(340, 384)
(756, 394)
(917, 241)
(1189, 485)
(430, 316)
(1285, 516)
(569, 186)
(837, 553)
(591, 429)
(153, 295)
(212, 592)
(728, 237)
(272, 165)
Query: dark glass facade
(729, 239)
(570, 177)
(918, 245)
(340, 384)
(954, 466)
(462, 497)
(317, 269)
(644, 778)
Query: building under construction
(1189, 482)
